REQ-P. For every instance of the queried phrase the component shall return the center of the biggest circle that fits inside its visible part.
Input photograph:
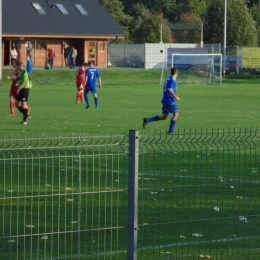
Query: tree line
(141, 20)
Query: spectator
(29, 70)
(66, 55)
(74, 54)
(51, 56)
(29, 50)
(14, 55)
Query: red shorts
(80, 85)
(13, 91)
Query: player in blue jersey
(92, 74)
(169, 105)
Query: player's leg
(174, 118)
(78, 94)
(24, 112)
(86, 91)
(165, 111)
(12, 102)
(23, 105)
(153, 119)
(28, 111)
(18, 104)
(95, 99)
(81, 95)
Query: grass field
(126, 97)
(181, 178)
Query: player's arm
(11, 78)
(86, 80)
(100, 82)
(83, 77)
(22, 86)
(174, 94)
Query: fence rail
(110, 196)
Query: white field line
(188, 176)
(223, 240)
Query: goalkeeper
(169, 105)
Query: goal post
(204, 68)
(195, 68)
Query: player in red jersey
(80, 77)
(13, 89)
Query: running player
(168, 102)
(90, 83)
(22, 92)
(80, 77)
(13, 89)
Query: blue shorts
(170, 108)
(92, 90)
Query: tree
(252, 3)
(198, 7)
(116, 9)
(188, 36)
(169, 8)
(214, 23)
(146, 28)
(241, 28)
(255, 11)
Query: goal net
(194, 69)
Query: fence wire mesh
(199, 195)
(126, 55)
(66, 197)
(63, 197)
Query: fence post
(133, 195)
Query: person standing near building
(168, 102)
(51, 56)
(80, 81)
(29, 70)
(66, 55)
(74, 54)
(92, 74)
(29, 51)
(22, 93)
(14, 55)
(13, 90)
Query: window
(62, 9)
(102, 46)
(81, 9)
(41, 45)
(38, 8)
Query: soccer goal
(195, 69)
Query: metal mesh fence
(126, 55)
(63, 197)
(199, 195)
(66, 197)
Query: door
(7, 52)
(102, 54)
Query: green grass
(126, 97)
(184, 170)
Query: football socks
(151, 119)
(96, 102)
(172, 124)
(12, 107)
(86, 99)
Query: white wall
(156, 53)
